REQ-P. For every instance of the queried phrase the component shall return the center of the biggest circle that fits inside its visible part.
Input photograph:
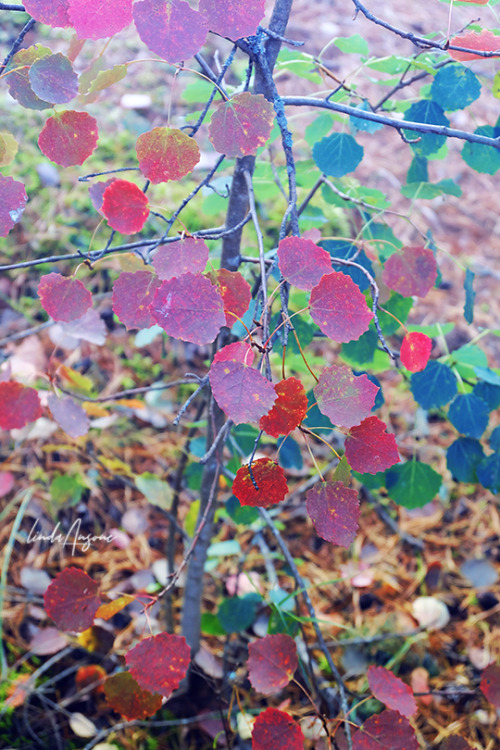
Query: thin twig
(219, 438)
(203, 382)
(26, 28)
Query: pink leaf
(490, 684)
(189, 308)
(233, 18)
(125, 206)
(12, 203)
(339, 309)
(69, 415)
(242, 393)
(239, 126)
(345, 398)
(189, 255)
(68, 138)
(132, 294)
(485, 41)
(272, 662)
(235, 292)
(334, 510)
(170, 28)
(415, 351)
(392, 691)
(369, 448)
(302, 262)
(386, 730)
(63, 298)
(98, 20)
(6, 479)
(50, 12)
(166, 154)
(276, 729)
(96, 192)
(18, 405)
(411, 271)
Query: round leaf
(412, 271)
(415, 351)
(337, 154)
(236, 293)
(338, 308)
(345, 398)
(412, 484)
(132, 295)
(69, 415)
(170, 28)
(239, 126)
(264, 486)
(233, 18)
(68, 138)
(272, 662)
(189, 255)
(72, 600)
(435, 386)
(273, 729)
(166, 154)
(484, 41)
(386, 730)
(18, 405)
(126, 696)
(50, 12)
(63, 298)
(289, 409)
(392, 691)
(125, 206)
(469, 414)
(334, 510)
(12, 203)
(302, 262)
(159, 663)
(490, 684)
(369, 448)
(18, 81)
(53, 79)
(99, 20)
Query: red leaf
(166, 154)
(126, 697)
(272, 661)
(235, 292)
(369, 449)
(269, 478)
(233, 18)
(386, 730)
(485, 41)
(68, 138)
(289, 409)
(132, 294)
(239, 126)
(189, 255)
(334, 510)
(12, 203)
(302, 262)
(19, 82)
(18, 405)
(276, 729)
(63, 298)
(69, 415)
(345, 398)
(7, 479)
(242, 393)
(415, 351)
(72, 600)
(96, 192)
(411, 271)
(159, 663)
(389, 689)
(237, 352)
(189, 308)
(490, 684)
(170, 28)
(99, 20)
(53, 79)
(125, 206)
(338, 308)
(50, 12)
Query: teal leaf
(289, 453)
(488, 472)
(371, 481)
(418, 171)
(455, 87)
(245, 436)
(480, 157)
(495, 439)
(435, 386)
(337, 154)
(357, 123)
(362, 351)
(462, 458)
(426, 111)
(469, 296)
(489, 393)
(347, 251)
(430, 190)
(236, 614)
(412, 484)
(469, 414)
(241, 514)
(488, 375)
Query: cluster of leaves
(182, 294)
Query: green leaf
(480, 157)
(191, 518)
(66, 489)
(236, 614)
(244, 515)
(298, 63)
(400, 307)
(362, 351)
(210, 624)
(418, 171)
(469, 296)
(337, 154)
(342, 472)
(412, 484)
(496, 85)
(429, 190)
(156, 491)
(426, 111)
(319, 127)
(455, 87)
(352, 45)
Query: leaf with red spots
(272, 662)
(189, 308)
(345, 398)
(18, 81)
(166, 154)
(129, 699)
(98, 20)
(96, 192)
(386, 730)
(12, 203)
(18, 405)
(233, 18)
(415, 351)
(68, 138)
(339, 308)
(159, 663)
(235, 292)
(389, 689)
(302, 262)
(485, 41)
(170, 28)
(53, 13)
(239, 126)
(72, 599)
(242, 393)
(132, 295)
(63, 298)
(289, 409)
(53, 79)
(274, 728)
(125, 206)
(411, 271)
(369, 448)
(334, 510)
(189, 255)
(69, 415)
(490, 684)
(264, 486)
